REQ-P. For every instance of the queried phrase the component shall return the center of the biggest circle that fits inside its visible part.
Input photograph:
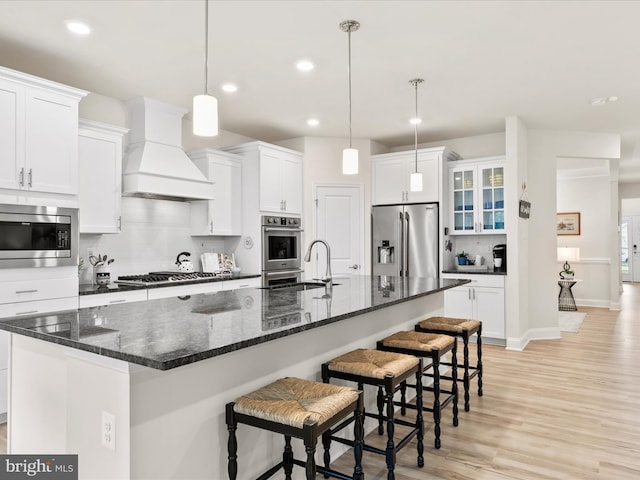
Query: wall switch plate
(108, 431)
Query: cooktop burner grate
(156, 278)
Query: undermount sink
(296, 287)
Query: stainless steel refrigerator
(405, 240)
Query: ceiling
(481, 61)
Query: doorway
(630, 228)
(339, 220)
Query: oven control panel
(280, 221)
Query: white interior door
(340, 222)
(634, 242)
(626, 260)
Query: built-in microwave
(33, 236)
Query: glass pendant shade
(205, 116)
(416, 182)
(350, 161)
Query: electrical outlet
(108, 430)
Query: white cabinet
(476, 196)
(271, 178)
(391, 173)
(242, 283)
(183, 290)
(222, 215)
(39, 125)
(30, 291)
(112, 298)
(483, 299)
(100, 149)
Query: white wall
(576, 194)
(489, 145)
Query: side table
(566, 303)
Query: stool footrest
(328, 472)
(271, 472)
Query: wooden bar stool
(463, 328)
(300, 409)
(385, 370)
(432, 347)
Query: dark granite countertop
(473, 272)
(172, 332)
(89, 289)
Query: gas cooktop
(159, 278)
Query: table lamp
(568, 254)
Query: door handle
(406, 244)
(401, 226)
(21, 180)
(355, 266)
(30, 182)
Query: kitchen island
(164, 369)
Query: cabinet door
(463, 197)
(291, 182)
(429, 166)
(11, 132)
(458, 302)
(489, 309)
(491, 198)
(389, 181)
(51, 142)
(227, 203)
(270, 187)
(100, 188)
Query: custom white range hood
(156, 166)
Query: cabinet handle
(118, 301)
(469, 293)
(285, 205)
(27, 291)
(30, 177)
(27, 312)
(21, 177)
(211, 226)
(120, 223)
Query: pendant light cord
(349, 72)
(415, 127)
(206, 47)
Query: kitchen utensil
(184, 265)
(111, 260)
(93, 260)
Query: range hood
(156, 166)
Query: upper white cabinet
(272, 177)
(391, 173)
(476, 196)
(222, 215)
(100, 149)
(39, 134)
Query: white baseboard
(589, 302)
(519, 344)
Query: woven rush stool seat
(431, 347)
(459, 328)
(386, 371)
(300, 409)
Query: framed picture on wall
(568, 223)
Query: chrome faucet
(327, 279)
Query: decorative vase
(462, 260)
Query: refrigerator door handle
(402, 245)
(406, 244)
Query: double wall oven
(281, 250)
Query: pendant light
(416, 177)
(205, 107)
(349, 155)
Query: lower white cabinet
(182, 290)
(30, 291)
(242, 283)
(112, 298)
(482, 299)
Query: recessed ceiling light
(598, 102)
(229, 87)
(78, 27)
(612, 99)
(415, 121)
(305, 66)
(313, 122)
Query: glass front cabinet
(476, 196)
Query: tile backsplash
(473, 245)
(153, 233)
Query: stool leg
(403, 398)
(326, 443)
(358, 433)
(454, 382)
(391, 448)
(287, 457)
(381, 403)
(479, 366)
(435, 362)
(232, 444)
(419, 419)
(310, 466)
(465, 380)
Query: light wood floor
(562, 409)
